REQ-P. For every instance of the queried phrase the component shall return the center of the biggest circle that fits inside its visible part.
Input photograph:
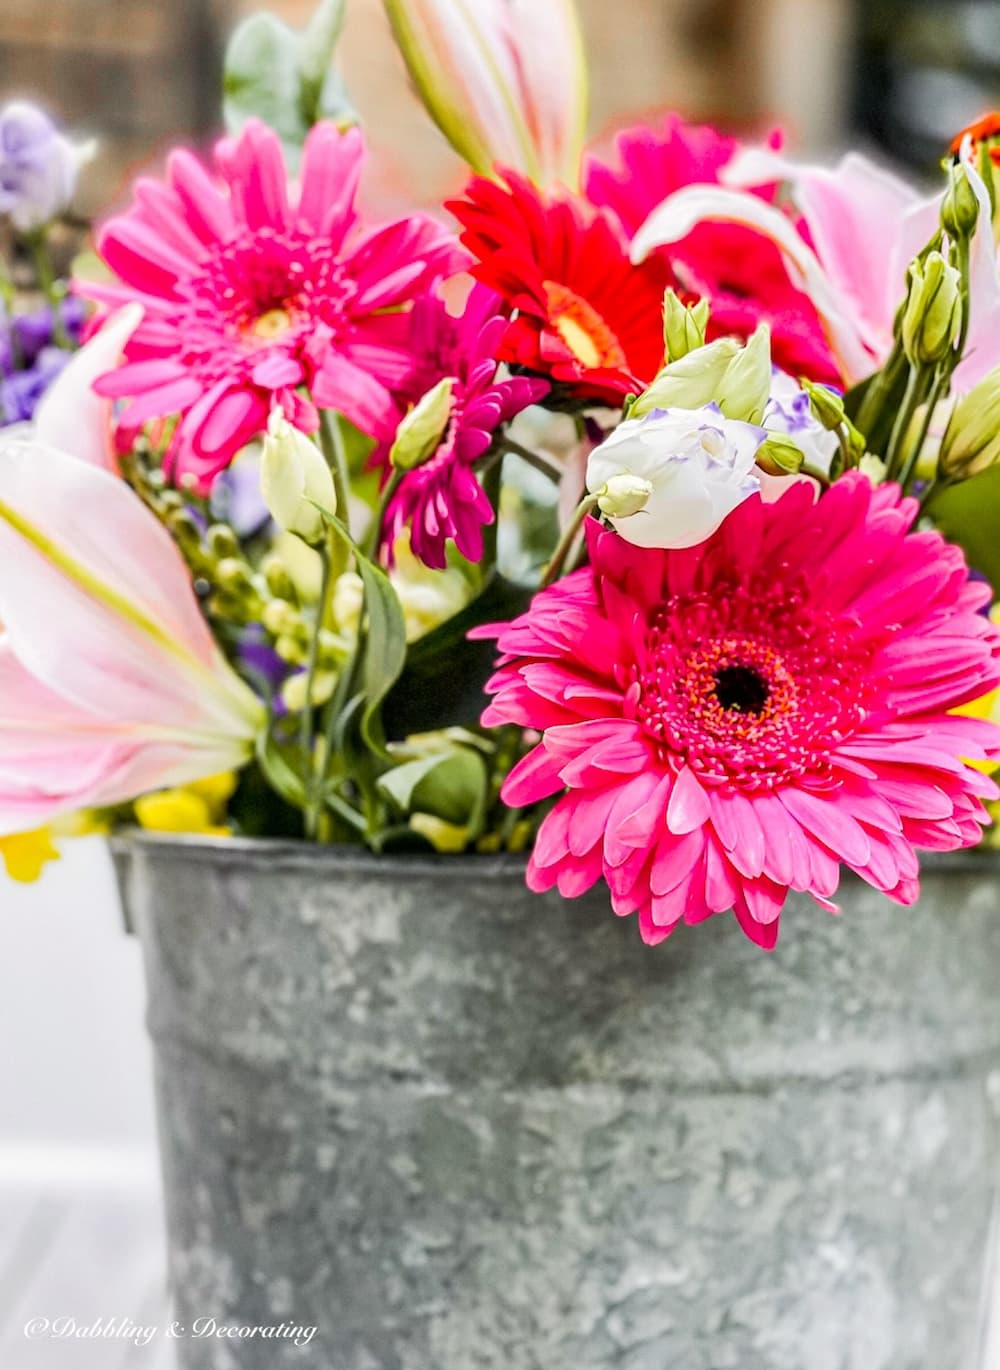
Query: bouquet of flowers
(701, 441)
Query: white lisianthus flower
(698, 466)
(789, 411)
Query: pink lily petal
(70, 416)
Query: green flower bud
(778, 455)
(624, 495)
(826, 404)
(234, 576)
(873, 467)
(294, 479)
(932, 317)
(279, 617)
(222, 541)
(293, 691)
(960, 208)
(971, 443)
(746, 386)
(690, 382)
(683, 327)
(420, 432)
(277, 578)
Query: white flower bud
(294, 479)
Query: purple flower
(38, 166)
(21, 390)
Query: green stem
(374, 540)
(555, 565)
(332, 443)
(47, 282)
(916, 391)
(306, 739)
(880, 391)
(546, 465)
(814, 473)
(913, 456)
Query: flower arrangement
(699, 442)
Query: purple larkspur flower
(38, 166)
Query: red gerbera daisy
(585, 316)
(731, 721)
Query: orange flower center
(583, 330)
(980, 132)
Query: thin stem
(47, 282)
(332, 442)
(814, 473)
(555, 565)
(306, 740)
(916, 389)
(544, 464)
(880, 390)
(374, 540)
(913, 456)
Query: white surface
(80, 1226)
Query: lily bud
(624, 495)
(420, 432)
(504, 80)
(971, 443)
(932, 316)
(683, 327)
(294, 479)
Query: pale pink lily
(70, 416)
(862, 227)
(111, 684)
(504, 80)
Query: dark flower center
(742, 688)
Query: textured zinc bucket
(458, 1127)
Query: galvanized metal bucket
(455, 1126)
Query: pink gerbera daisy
(252, 290)
(442, 497)
(739, 719)
(740, 272)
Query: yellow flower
(26, 853)
(196, 808)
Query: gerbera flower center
(742, 688)
(582, 329)
(753, 686)
(272, 324)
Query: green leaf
(381, 652)
(969, 514)
(281, 763)
(285, 77)
(451, 785)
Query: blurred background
(79, 1215)
(901, 75)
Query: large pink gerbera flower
(252, 290)
(739, 719)
(739, 271)
(442, 498)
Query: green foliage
(285, 76)
(452, 785)
(969, 514)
